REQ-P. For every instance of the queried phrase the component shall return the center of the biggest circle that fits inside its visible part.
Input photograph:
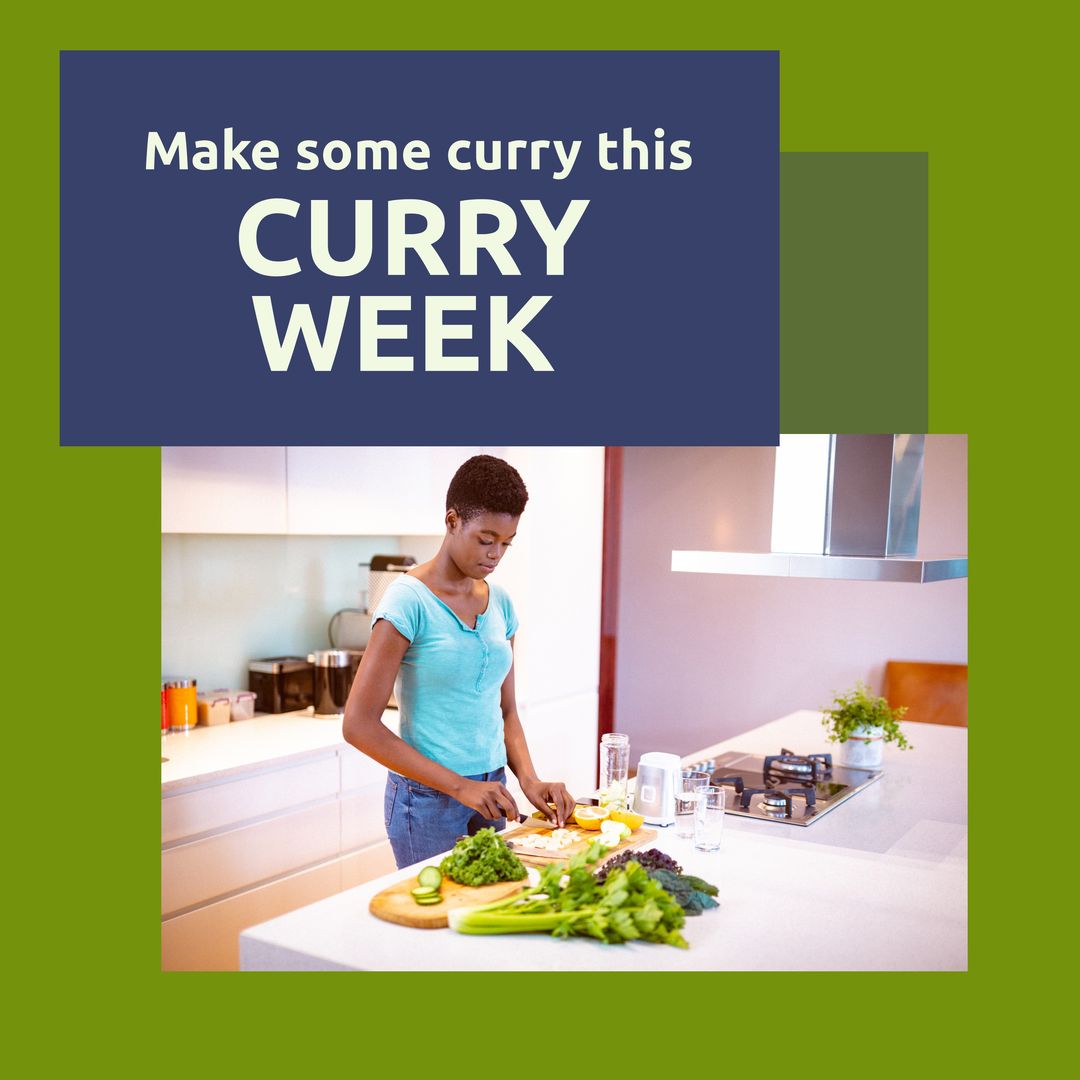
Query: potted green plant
(863, 723)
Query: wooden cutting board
(584, 838)
(397, 905)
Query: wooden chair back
(933, 693)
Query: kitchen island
(879, 883)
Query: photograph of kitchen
(681, 619)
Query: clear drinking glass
(614, 768)
(686, 789)
(709, 818)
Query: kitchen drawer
(362, 817)
(196, 872)
(358, 770)
(366, 865)
(206, 809)
(207, 939)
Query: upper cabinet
(372, 490)
(223, 489)
(309, 490)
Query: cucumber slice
(426, 901)
(423, 890)
(430, 876)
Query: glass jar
(614, 770)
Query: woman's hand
(542, 793)
(487, 797)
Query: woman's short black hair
(486, 485)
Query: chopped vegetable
(424, 890)
(552, 841)
(431, 876)
(426, 901)
(614, 832)
(482, 860)
(571, 901)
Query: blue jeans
(422, 821)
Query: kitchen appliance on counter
(334, 671)
(794, 789)
(654, 787)
(383, 571)
(282, 683)
(349, 628)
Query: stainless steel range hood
(844, 507)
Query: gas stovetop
(790, 788)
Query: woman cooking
(446, 635)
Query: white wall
(702, 657)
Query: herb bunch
(482, 860)
(570, 901)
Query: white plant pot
(863, 748)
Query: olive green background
(978, 90)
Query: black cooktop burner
(810, 766)
(795, 789)
(781, 800)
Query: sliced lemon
(628, 818)
(589, 817)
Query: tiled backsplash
(226, 600)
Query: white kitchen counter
(207, 755)
(880, 883)
(918, 807)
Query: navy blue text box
(662, 328)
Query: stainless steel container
(335, 670)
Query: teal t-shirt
(449, 686)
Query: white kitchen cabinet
(367, 864)
(352, 490)
(362, 816)
(199, 871)
(243, 847)
(223, 489)
(207, 939)
(562, 737)
(553, 572)
(310, 490)
(204, 810)
(372, 490)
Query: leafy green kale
(482, 860)
(692, 894)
